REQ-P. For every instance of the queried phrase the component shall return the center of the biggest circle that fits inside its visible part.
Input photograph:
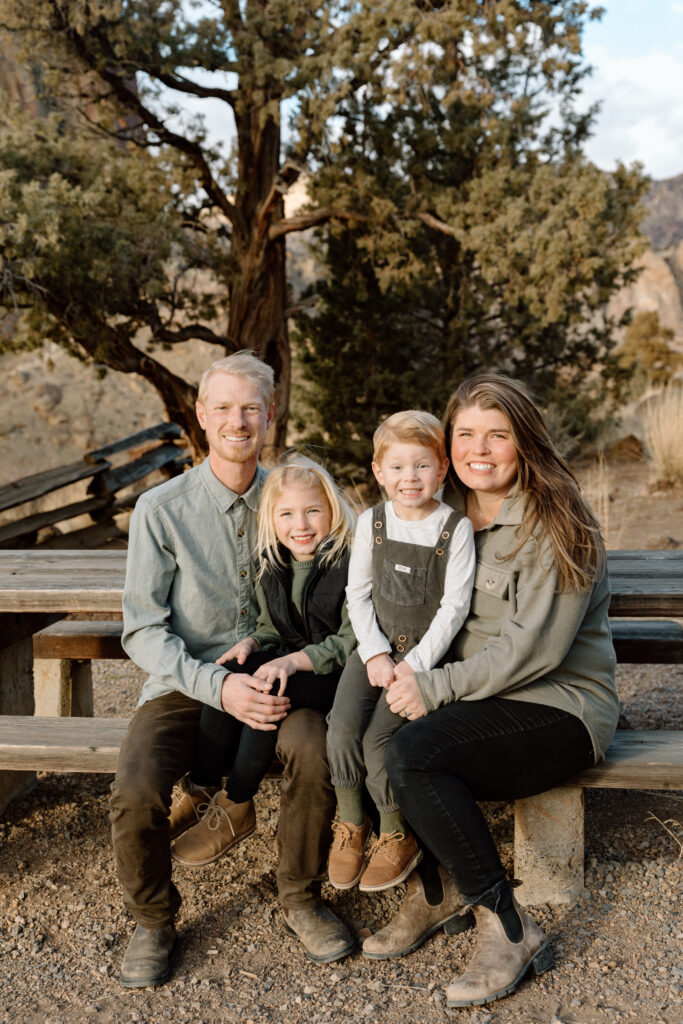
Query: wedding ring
(406, 713)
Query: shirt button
(490, 583)
(243, 612)
(243, 572)
(240, 533)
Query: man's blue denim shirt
(189, 590)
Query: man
(188, 597)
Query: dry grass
(662, 417)
(596, 488)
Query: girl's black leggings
(227, 746)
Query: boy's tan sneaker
(392, 858)
(188, 805)
(223, 824)
(346, 855)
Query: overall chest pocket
(403, 585)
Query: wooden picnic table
(644, 583)
(39, 586)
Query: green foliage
(88, 231)
(465, 229)
(646, 352)
(489, 241)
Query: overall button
(490, 583)
(378, 540)
(439, 551)
(445, 535)
(400, 648)
(402, 639)
(378, 526)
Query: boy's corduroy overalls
(407, 587)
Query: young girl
(302, 640)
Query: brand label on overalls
(402, 568)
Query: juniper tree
(491, 242)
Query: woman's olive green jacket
(526, 640)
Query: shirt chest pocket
(403, 584)
(491, 592)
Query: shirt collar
(224, 497)
(511, 511)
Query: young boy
(410, 584)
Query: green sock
(392, 822)
(350, 805)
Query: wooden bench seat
(647, 642)
(62, 656)
(60, 744)
(77, 638)
(63, 651)
(642, 642)
(549, 840)
(549, 832)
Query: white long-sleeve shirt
(457, 594)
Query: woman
(531, 700)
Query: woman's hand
(380, 669)
(403, 696)
(239, 652)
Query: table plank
(62, 581)
(644, 583)
(647, 583)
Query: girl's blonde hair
(412, 426)
(296, 470)
(551, 492)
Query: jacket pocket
(490, 600)
(490, 579)
(403, 585)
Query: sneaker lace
(388, 844)
(342, 835)
(213, 813)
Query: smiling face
(410, 474)
(235, 417)
(302, 518)
(482, 451)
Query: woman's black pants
(495, 749)
(226, 745)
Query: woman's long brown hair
(552, 495)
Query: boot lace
(213, 814)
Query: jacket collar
(511, 511)
(224, 497)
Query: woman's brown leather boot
(509, 945)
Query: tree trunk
(258, 293)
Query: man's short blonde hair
(242, 364)
(414, 426)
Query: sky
(636, 51)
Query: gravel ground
(63, 930)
